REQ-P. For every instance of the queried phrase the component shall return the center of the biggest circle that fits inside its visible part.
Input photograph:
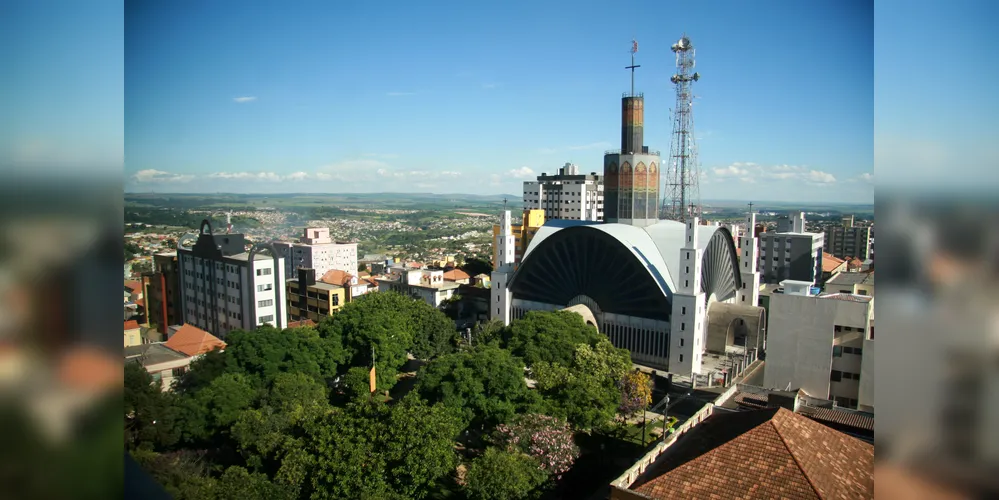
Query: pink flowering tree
(547, 439)
(636, 392)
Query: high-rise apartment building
(523, 233)
(790, 253)
(566, 195)
(223, 287)
(846, 241)
(316, 250)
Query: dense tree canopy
(487, 384)
(388, 325)
(550, 336)
(504, 475)
(586, 393)
(265, 352)
(265, 418)
(373, 451)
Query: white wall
(800, 340)
(866, 397)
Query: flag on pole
(372, 379)
(634, 46)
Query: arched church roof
(635, 269)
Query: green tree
(356, 383)
(419, 445)
(486, 384)
(550, 336)
(504, 475)
(265, 352)
(149, 412)
(375, 323)
(489, 332)
(237, 482)
(209, 413)
(434, 333)
(586, 393)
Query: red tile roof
(770, 453)
(140, 302)
(131, 325)
(850, 418)
(134, 286)
(830, 262)
(456, 274)
(192, 341)
(337, 277)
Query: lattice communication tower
(682, 196)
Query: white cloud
(819, 177)
(260, 176)
(730, 171)
(399, 94)
(750, 173)
(522, 173)
(244, 99)
(154, 176)
(298, 176)
(866, 177)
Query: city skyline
(480, 99)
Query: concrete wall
(800, 340)
(866, 395)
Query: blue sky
(465, 96)
(61, 93)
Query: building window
(683, 326)
(683, 310)
(267, 319)
(265, 303)
(837, 351)
(264, 272)
(836, 376)
(681, 358)
(265, 287)
(846, 350)
(336, 300)
(176, 372)
(681, 342)
(838, 328)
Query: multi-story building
(311, 299)
(316, 250)
(424, 284)
(222, 288)
(523, 233)
(162, 292)
(848, 241)
(791, 253)
(566, 195)
(822, 344)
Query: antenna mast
(683, 195)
